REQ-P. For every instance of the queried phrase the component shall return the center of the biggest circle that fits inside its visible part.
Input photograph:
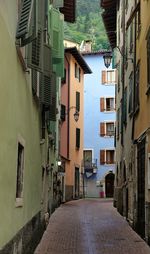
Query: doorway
(141, 188)
(109, 185)
(77, 180)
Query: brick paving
(90, 226)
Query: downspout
(134, 68)
(123, 74)
(68, 120)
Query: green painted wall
(19, 115)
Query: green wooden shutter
(34, 82)
(77, 138)
(45, 90)
(78, 101)
(27, 25)
(34, 59)
(52, 111)
(35, 49)
(63, 112)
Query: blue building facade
(99, 127)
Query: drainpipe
(123, 71)
(134, 68)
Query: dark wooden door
(77, 182)
(109, 185)
(141, 188)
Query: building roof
(69, 10)
(99, 52)
(79, 58)
(109, 19)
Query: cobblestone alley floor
(90, 226)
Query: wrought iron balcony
(90, 165)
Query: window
(125, 106)
(131, 37)
(77, 72)
(126, 5)
(118, 76)
(78, 101)
(118, 122)
(20, 169)
(63, 112)
(107, 129)
(148, 59)
(108, 77)
(63, 80)
(131, 84)
(107, 104)
(107, 156)
(138, 20)
(136, 92)
(77, 138)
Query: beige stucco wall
(142, 121)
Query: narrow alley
(90, 226)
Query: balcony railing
(90, 165)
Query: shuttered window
(108, 77)
(148, 61)
(107, 157)
(102, 105)
(102, 157)
(53, 101)
(102, 129)
(77, 138)
(104, 77)
(125, 106)
(78, 101)
(131, 85)
(107, 104)
(136, 92)
(118, 123)
(110, 156)
(63, 112)
(110, 129)
(77, 72)
(107, 129)
(69, 10)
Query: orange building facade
(71, 130)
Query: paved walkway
(90, 226)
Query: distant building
(99, 127)
(72, 131)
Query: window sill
(19, 202)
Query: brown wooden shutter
(69, 10)
(102, 104)
(104, 77)
(102, 129)
(102, 156)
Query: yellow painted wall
(19, 117)
(142, 121)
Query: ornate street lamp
(107, 59)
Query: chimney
(86, 46)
